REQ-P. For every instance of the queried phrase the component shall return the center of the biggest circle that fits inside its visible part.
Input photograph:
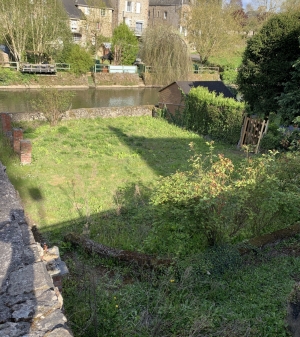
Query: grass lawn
(101, 172)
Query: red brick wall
(6, 122)
(25, 151)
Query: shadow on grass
(163, 155)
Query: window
(165, 15)
(98, 25)
(76, 37)
(74, 25)
(148, 14)
(87, 11)
(138, 27)
(128, 6)
(138, 8)
(158, 14)
(103, 12)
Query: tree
(267, 62)
(48, 28)
(289, 100)
(81, 60)
(37, 25)
(290, 5)
(167, 53)
(14, 27)
(124, 45)
(212, 28)
(53, 103)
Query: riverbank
(75, 87)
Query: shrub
(10, 77)
(222, 203)
(81, 61)
(53, 103)
(210, 114)
(229, 76)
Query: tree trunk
(140, 259)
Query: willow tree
(167, 53)
(212, 28)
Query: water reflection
(19, 101)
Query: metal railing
(200, 69)
(10, 65)
(38, 68)
(105, 68)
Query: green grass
(102, 172)
(248, 299)
(99, 171)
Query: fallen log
(140, 259)
(271, 239)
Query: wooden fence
(253, 130)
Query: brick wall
(21, 146)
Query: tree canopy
(39, 26)
(212, 28)
(289, 100)
(125, 45)
(167, 53)
(267, 62)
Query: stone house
(133, 13)
(171, 97)
(89, 19)
(170, 12)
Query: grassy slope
(94, 170)
(100, 172)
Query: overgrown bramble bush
(210, 114)
(215, 202)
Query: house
(170, 97)
(77, 21)
(133, 13)
(99, 16)
(171, 12)
(89, 19)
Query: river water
(19, 100)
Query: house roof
(72, 11)
(93, 3)
(217, 86)
(167, 2)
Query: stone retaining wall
(30, 304)
(117, 79)
(105, 112)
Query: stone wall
(105, 112)
(123, 79)
(30, 304)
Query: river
(19, 100)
